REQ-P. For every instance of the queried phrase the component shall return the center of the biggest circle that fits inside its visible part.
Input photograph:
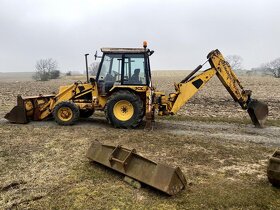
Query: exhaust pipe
(86, 55)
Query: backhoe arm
(185, 91)
(229, 79)
(190, 85)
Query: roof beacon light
(145, 44)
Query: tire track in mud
(227, 131)
(269, 135)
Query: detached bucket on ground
(273, 169)
(162, 177)
(258, 112)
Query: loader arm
(189, 86)
(64, 95)
(40, 107)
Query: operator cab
(123, 66)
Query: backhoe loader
(123, 90)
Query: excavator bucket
(162, 177)
(18, 113)
(258, 112)
(273, 169)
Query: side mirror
(96, 56)
(150, 52)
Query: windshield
(111, 68)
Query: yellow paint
(29, 107)
(101, 102)
(65, 114)
(228, 78)
(65, 93)
(123, 110)
(188, 90)
(45, 114)
(132, 87)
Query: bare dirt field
(224, 158)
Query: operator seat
(134, 79)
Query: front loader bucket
(273, 169)
(162, 177)
(18, 113)
(258, 112)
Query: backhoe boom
(190, 85)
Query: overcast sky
(181, 32)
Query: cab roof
(123, 50)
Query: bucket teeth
(258, 112)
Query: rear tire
(66, 113)
(124, 109)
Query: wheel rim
(123, 110)
(65, 114)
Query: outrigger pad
(273, 169)
(258, 112)
(18, 113)
(162, 177)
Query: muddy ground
(224, 158)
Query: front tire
(66, 113)
(124, 109)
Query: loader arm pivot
(189, 86)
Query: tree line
(270, 68)
(47, 69)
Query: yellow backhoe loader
(123, 90)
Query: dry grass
(49, 163)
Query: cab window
(134, 69)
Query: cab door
(135, 70)
(109, 73)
